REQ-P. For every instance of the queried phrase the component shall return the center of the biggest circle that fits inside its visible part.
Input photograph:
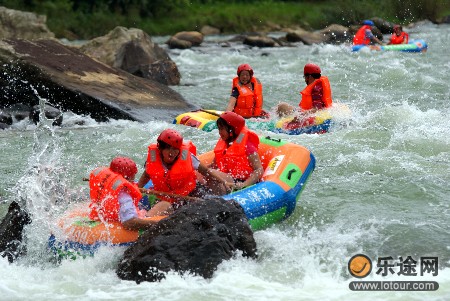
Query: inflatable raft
(287, 167)
(412, 46)
(317, 123)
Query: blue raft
(412, 46)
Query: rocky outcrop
(195, 239)
(71, 80)
(336, 34)
(11, 232)
(132, 50)
(23, 25)
(185, 39)
(306, 37)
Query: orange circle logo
(359, 266)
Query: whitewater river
(380, 187)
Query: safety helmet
(311, 69)
(124, 166)
(235, 121)
(246, 67)
(171, 137)
(368, 22)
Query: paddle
(162, 193)
(168, 194)
(212, 113)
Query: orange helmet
(124, 166)
(311, 69)
(235, 121)
(246, 67)
(171, 137)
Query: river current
(380, 187)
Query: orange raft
(77, 235)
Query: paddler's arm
(137, 223)
(231, 104)
(255, 176)
(143, 179)
(128, 213)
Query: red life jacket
(105, 186)
(249, 103)
(360, 36)
(179, 179)
(306, 101)
(233, 159)
(401, 39)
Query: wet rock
(50, 113)
(195, 239)
(72, 81)
(307, 37)
(175, 43)
(195, 37)
(126, 49)
(23, 25)
(164, 72)
(11, 232)
(260, 41)
(337, 34)
(209, 30)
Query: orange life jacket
(179, 179)
(306, 101)
(233, 159)
(249, 103)
(360, 36)
(105, 186)
(401, 39)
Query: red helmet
(236, 121)
(124, 166)
(246, 67)
(311, 69)
(171, 137)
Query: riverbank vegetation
(85, 19)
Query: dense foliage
(89, 18)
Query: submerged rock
(72, 81)
(195, 239)
(11, 232)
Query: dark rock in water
(164, 72)
(5, 118)
(11, 232)
(195, 239)
(50, 113)
(72, 81)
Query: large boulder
(337, 34)
(11, 232)
(306, 37)
(71, 80)
(130, 50)
(185, 39)
(195, 239)
(23, 25)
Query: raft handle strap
(273, 139)
(290, 173)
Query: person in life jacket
(114, 197)
(246, 97)
(317, 94)
(173, 167)
(236, 158)
(398, 36)
(364, 35)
